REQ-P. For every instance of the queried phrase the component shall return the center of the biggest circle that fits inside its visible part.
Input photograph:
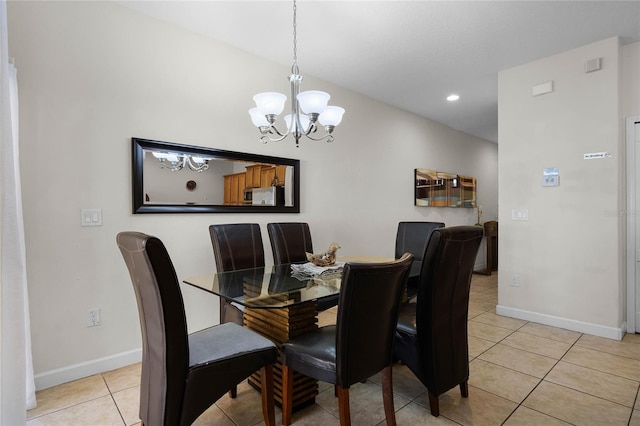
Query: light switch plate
(90, 217)
(519, 214)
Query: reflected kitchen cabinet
(265, 175)
(239, 187)
(234, 186)
(254, 176)
(272, 176)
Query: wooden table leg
(281, 325)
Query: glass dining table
(280, 303)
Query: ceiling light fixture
(453, 97)
(313, 105)
(175, 162)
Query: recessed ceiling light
(453, 97)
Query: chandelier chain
(294, 67)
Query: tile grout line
(520, 404)
(124, 422)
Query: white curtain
(17, 389)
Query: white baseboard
(566, 323)
(58, 376)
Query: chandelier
(313, 105)
(175, 162)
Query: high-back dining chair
(412, 237)
(359, 345)
(431, 337)
(290, 241)
(184, 374)
(236, 246)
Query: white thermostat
(550, 176)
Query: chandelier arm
(171, 167)
(328, 137)
(311, 129)
(193, 166)
(266, 138)
(274, 129)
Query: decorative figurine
(327, 258)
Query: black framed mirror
(175, 178)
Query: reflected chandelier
(175, 162)
(313, 104)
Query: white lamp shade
(313, 101)
(198, 160)
(259, 120)
(331, 116)
(165, 156)
(270, 102)
(304, 121)
(173, 158)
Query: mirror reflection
(179, 178)
(441, 189)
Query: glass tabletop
(269, 287)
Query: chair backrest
(289, 242)
(412, 237)
(237, 246)
(443, 305)
(165, 350)
(370, 296)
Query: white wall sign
(596, 155)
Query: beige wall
(94, 74)
(569, 255)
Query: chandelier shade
(331, 116)
(307, 108)
(258, 119)
(304, 121)
(270, 103)
(313, 101)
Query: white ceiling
(410, 54)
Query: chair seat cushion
(228, 340)
(313, 352)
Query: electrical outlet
(515, 280)
(93, 317)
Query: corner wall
(567, 258)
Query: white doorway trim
(631, 214)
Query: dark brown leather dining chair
(184, 374)
(349, 352)
(412, 237)
(431, 337)
(236, 246)
(290, 241)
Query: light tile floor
(521, 373)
